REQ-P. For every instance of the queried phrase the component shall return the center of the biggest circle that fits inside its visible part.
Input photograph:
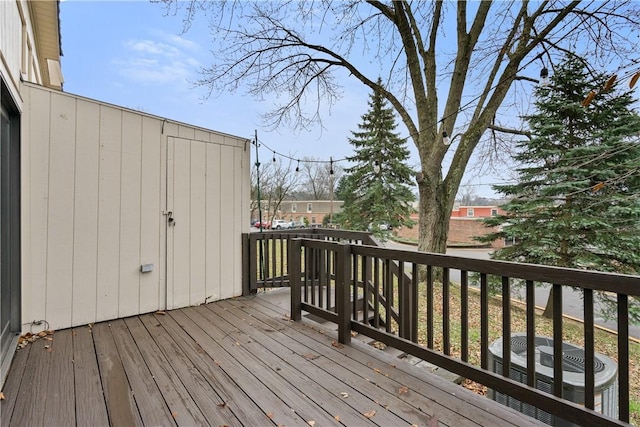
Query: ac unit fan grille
(573, 358)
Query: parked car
(265, 224)
(277, 224)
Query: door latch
(170, 220)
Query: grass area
(573, 332)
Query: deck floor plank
(30, 407)
(303, 360)
(150, 401)
(91, 408)
(264, 397)
(12, 385)
(60, 401)
(460, 409)
(182, 407)
(292, 368)
(238, 362)
(120, 402)
(214, 409)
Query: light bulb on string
(298, 166)
(274, 157)
(445, 138)
(330, 165)
(544, 77)
(376, 167)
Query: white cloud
(162, 59)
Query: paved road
(572, 299)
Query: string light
(298, 166)
(376, 167)
(445, 138)
(544, 77)
(274, 156)
(330, 165)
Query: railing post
(343, 285)
(294, 259)
(246, 262)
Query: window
(294, 207)
(470, 212)
(309, 207)
(494, 212)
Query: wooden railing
(391, 296)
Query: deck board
(235, 362)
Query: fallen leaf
(354, 333)
(403, 390)
(311, 423)
(1, 395)
(47, 347)
(160, 312)
(370, 414)
(344, 394)
(376, 370)
(48, 338)
(337, 418)
(336, 344)
(270, 415)
(222, 405)
(174, 414)
(310, 356)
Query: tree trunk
(434, 216)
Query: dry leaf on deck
(337, 418)
(370, 414)
(1, 395)
(270, 415)
(222, 405)
(344, 394)
(336, 344)
(174, 414)
(403, 390)
(160, 312)
(311, 423)
(310, 356)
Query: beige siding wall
(97, 181)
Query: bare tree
(448, 66)
(317, 181)
(277, 182)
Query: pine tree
(576, 202)
(376, 190)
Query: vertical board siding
(33, 298)
(109, 213)
(131, 159)
(96, 189)
(59, 292)
(214, 226)
(151, 217)
(85, 236)
(198, 226)
(227, 218)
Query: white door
(204, 193)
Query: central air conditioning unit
(573, 362)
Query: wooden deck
(235, 362)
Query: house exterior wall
(97, 184)
(298, 210)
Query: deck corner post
(343, 282)
(294, 255)
(246, 268)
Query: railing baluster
(403, 303)
(294, 261)
(366, 280)
(446, 308)
(430, 306)
(484, 321)
(464, 316)
(506, 326)
(531, 333)
(354, 299)
(414, 302)
(388, 291)
(342, 280)
(322, 275)
(333, 256)
(282, 263)
(623, 357)
(557, 340)
(589, 349)
(267, 258)
(376, 293)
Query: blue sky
(130, 53)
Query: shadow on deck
(234, 362)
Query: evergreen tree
(376, 190)
(576, 202)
